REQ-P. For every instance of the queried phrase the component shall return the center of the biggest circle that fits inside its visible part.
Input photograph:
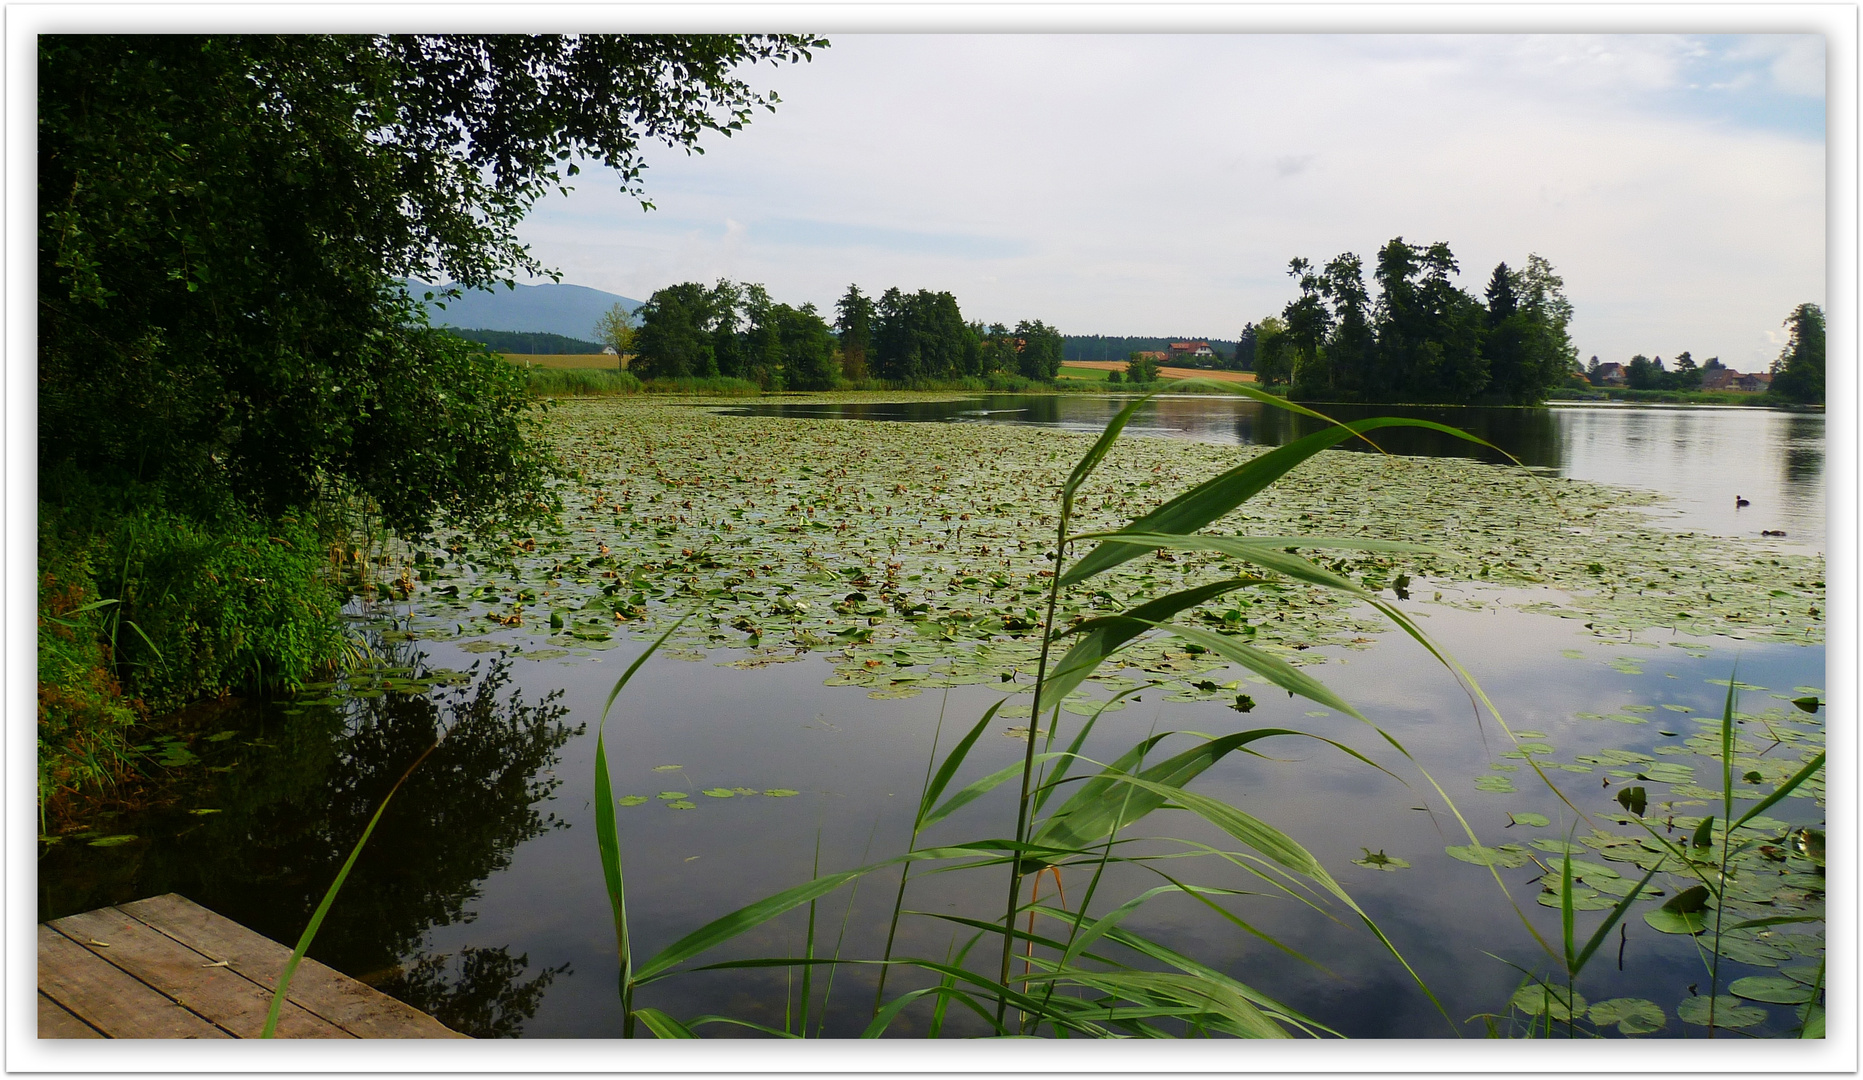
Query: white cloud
(1159, 184)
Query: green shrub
(83, 716)
(201, 611)
(714, 386)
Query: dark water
(1702, 457)
(480, 897)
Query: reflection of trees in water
(1804, 449)
(1532, 435)
(298, 797)
(481, 993)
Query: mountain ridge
(568, 310)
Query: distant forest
(1097, 347)
(531, 343)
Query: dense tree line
(529, 342)
(733, 330)
(1422, 338)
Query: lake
(791, 727)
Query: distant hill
(568, 310)
(530, 342)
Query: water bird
(1772, 532)
(1740, 502)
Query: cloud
(1160, 183)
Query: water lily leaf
(1774, 988)
(667, 768)
(1507, 856)
(1380, 861)
(1494, 783)
(1729, 1012)
(719, 792)
(671, 795)
(113, 841)
(631, 800)
(204, 811)
(1538, 999)
(1633, 799)
(1684, 913)
(1757, 953)
(681, 804)
(1633, 1016)
(781, 792)
(1536, 820)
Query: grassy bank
(1671, 397)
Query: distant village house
(1190, 350)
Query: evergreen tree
(1244, 357)
(854, 325)
(1798, 374)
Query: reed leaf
(1102, 637)
(1216, 497)
(951, 762)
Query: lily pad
(114, 841)
(1378, 860)
(1774, 988)
(1632, 1016)
(1539, 999)
(781, 792)
(1507, 856)
(719, 792)
(1528, 818)
(1729, 1012)
(681, 804)
(631, 800)
(1500, 784)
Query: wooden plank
(110, 1000)
(360, 1010)
(56, 1023)
(218, 994)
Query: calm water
(480, 897)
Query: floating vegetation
(912, 570)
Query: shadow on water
(280, 799)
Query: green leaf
(1808, 704)
(662, 1025)
(1684, 913)
(1777, 989)
(1539, 999)
(1507, 856)
(1633, 1016)
(1729, 1011)
(719, 792)
(1216, 497)
(1101, 638)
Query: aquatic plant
(1735, 865)
(1073, 980)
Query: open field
(563, 361)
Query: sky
(1159, 184)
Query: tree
(615, 329)
(1642, 374)
(674, 339)
(1141, 368)
(1273, 355)
(1040, 354)
(1244, 358)
(1686, 375)
(808, 348)
(1798, 374)
(226, 222)
(854, 324)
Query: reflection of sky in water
(1702, 458)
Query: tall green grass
(1084, 972)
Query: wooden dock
(167, 968)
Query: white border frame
(24, 1052)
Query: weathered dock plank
(193, 980)
(110, 999)
(56, 1023)
(361, 1010)
(165, 967)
